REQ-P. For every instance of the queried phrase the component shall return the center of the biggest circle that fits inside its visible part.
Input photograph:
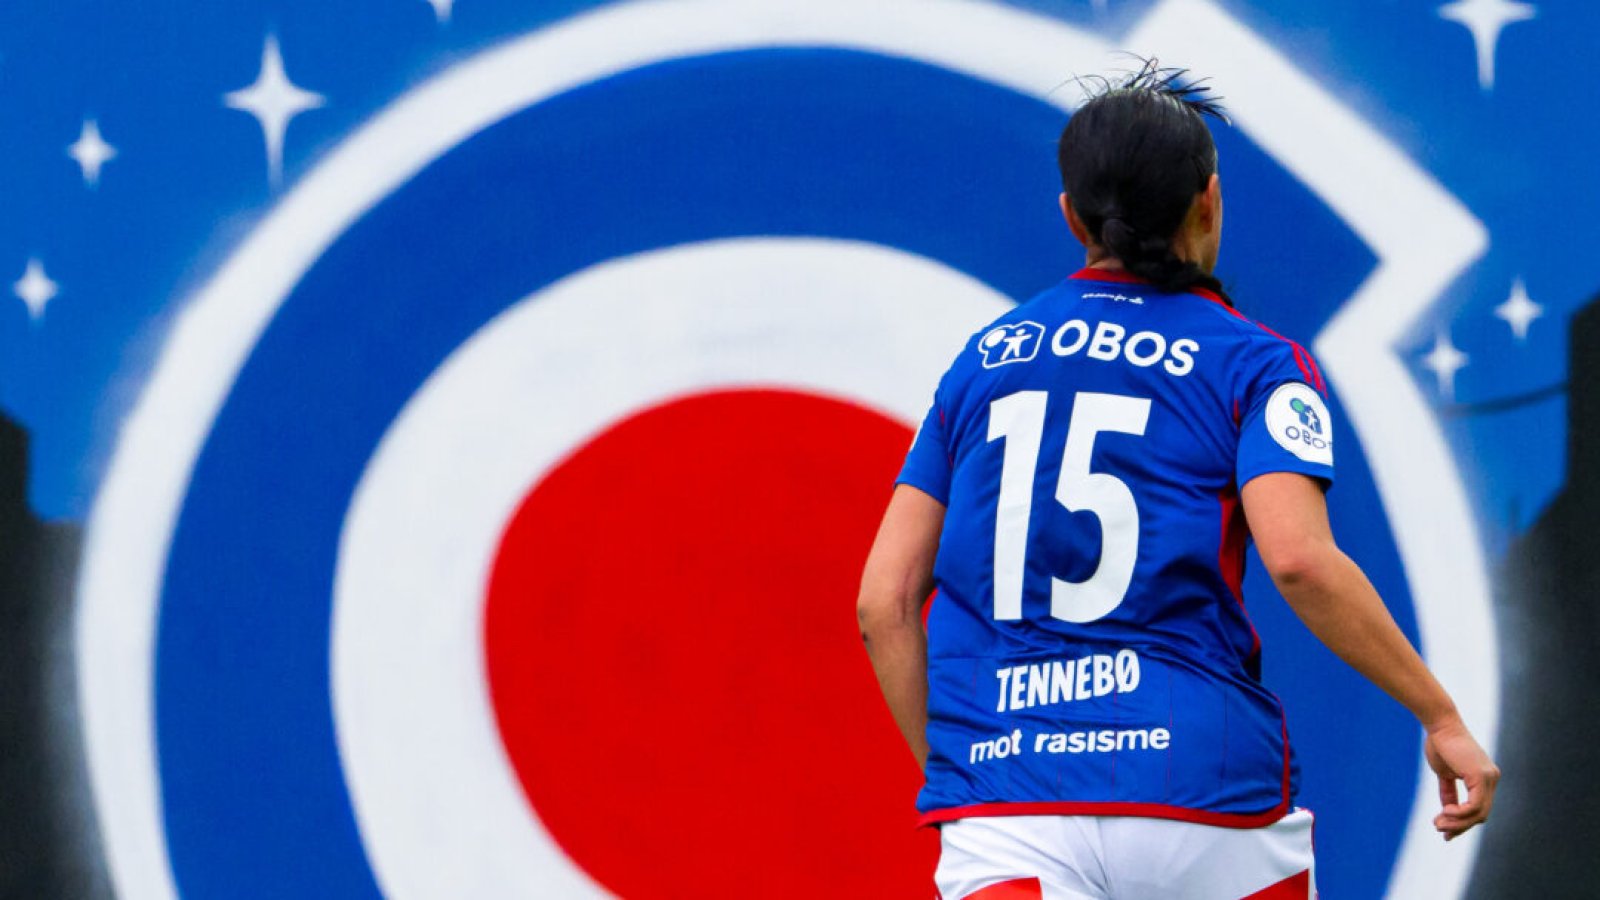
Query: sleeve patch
(1298, 420)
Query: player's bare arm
(1289, 519)
(894, 585)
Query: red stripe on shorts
(1019, 889)
(1295, 887)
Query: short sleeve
(1285, 424)
(929, 462)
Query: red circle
(674, 660)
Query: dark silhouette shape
(1542, 839)
(49, 844)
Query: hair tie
(1115, 234)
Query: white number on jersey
(1019, 418)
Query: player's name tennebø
(1064, 680)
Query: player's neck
(1098, 257)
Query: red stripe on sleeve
(1303, 359)
(1302, 356)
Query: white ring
(438, 803)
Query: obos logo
(1299, 421)
(1013, 343)
(470, 533)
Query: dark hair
(1132, 159)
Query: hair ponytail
(1152, 258)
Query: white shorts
(1124, 858)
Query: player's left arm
(897, 580)
(1332, 596)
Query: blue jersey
(1089, 652)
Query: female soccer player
(1085, 699)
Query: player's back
(1089, 648)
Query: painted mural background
(440, 439)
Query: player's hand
(1453, 754)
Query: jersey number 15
(1019, 419)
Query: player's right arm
(898, 577)
(1288, 517)
(894, 585)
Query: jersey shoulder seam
(1252, 328)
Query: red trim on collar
(1122, 276)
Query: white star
(1485, 18)
(1519, 311)
(91, 152)
(273, 100)
(35, 288)
(1444, 361)
(441, 8)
